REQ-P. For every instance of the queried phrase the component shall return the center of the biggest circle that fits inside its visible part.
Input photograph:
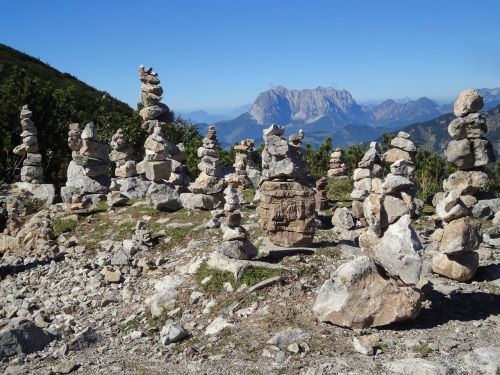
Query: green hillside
(56, 100)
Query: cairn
(402, 148)
(287, 209)
(321, 194)
(206, 190)
(254, 161)
(163, 160)
(235, 240)
(32, 170)
(122, 155)
(337, 169)
(470, 152)
(87, 179)
(348, 225)
(241, 161)
(379, 287)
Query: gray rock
(394, 184)
(172, 333)
(483, 152)
(471, 126)
(398, 251)
(466, 182)
(238, 249)
(417, 366)
(460, 153)
(163, 197)
(201, 201)
(468, 101)
(403, 144)
(84, 339)
(342, 218)
(44, 193)
(289, 336)
(134, 187)
(22, 336)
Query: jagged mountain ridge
(333, 112)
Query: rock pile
(321, 194)
(206, 190)
(379, 288)
(241, 161)
(87, 179)
(163, 159)
(235, 243)
(402, 148)
(122, 155)
(367, 178)
(337, 169)
(287, 208)
(470, 152)
(32, 170)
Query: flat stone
(461, 267)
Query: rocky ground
(119, 318)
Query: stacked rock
(287, 208)
(402, 148)
(367, 178)
(206, 190)
(241, 161)
(254, 162)
(122, 155)
(87, 171)
(337, 169)
(32, 170)
(379, 288)
(163, 160)
(321, 194)
(235, 243)
(469, 151)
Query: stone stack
(206, 190)
(254, 161)
(337, 169)
(402, 148)
(470, 152)
(235, 239)
(241, 161)
(87, 171)
(32, 170)
(163, 160)
(287, 208)
(348, 225)
(321, 194)
(122, 155)
(379, 288)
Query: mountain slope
(56, 100)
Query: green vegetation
(63, 224)
(423, 349)
(250, 277)
(340, 190)
(319, 159)
(249, 194)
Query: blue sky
(224, 53)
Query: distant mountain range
(323, 112)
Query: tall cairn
(287, 208)
(87, 171)
(470, 152)
(206, 190)
(379, 287)
(122, 155)
(163, 160)
(235, 240)
(32, 170)
(241, 161)
(348, 225)
(338, 170)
